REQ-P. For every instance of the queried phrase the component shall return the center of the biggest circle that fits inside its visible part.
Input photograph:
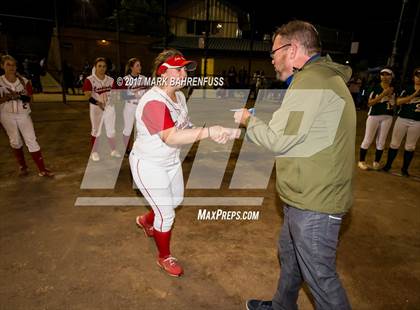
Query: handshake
(222, 135)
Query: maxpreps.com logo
(253, 165)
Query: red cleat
(170, 265)
(142, 223)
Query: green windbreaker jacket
(313, 137)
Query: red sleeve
(29, 89)
(156, 117)
(116, 86)
(87, 85)
(124, 84)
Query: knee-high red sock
(126, 140)
(39, 161)
(163, 240)
(92, 144)
(112, 143)
(150, 217)
(20, 157)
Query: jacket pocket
(289, 176)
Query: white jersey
(15, 106)
(135, 86)
(156, 112)
(101, 89)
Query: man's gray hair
(303, 32)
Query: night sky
(373, 23)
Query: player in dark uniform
(381, 103)
(407, 124)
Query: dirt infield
(54, 255)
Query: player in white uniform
(381, 103)
(407, 125)
(133, 89)
(162, 127)
(15, 99)
(98, 88)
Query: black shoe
(386, 168)
(405, 173)
(255, 304)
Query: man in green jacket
(313, 137)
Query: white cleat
(115, 154)
(376, 166)
(95, 156)
(362, 165)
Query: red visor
(176, 62)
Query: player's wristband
(25, 98)
(93, 101)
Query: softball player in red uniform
(407, 125)
(162, 127)
(98, 87)
(134, 86)
(15, 99)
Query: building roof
(217, 44)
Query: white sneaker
(362, 165)
(115, 154)
(376, 165)
(95, 156)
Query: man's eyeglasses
(417, 73)
(385, 73)
(273, 52)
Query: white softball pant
(402, 127)
(129, 114)
(99, 117)
(161, 186)
(378, 125)
(18, 125)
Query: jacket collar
(295, 70)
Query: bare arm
(407, 99)
(11, 95)
(87, 93)
(378, 98)
(6, 97)
(174, 136)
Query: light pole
(391, 61)
(117, 28)
(165, 17)
(206, 36)
(60, 65)
(410, 46)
